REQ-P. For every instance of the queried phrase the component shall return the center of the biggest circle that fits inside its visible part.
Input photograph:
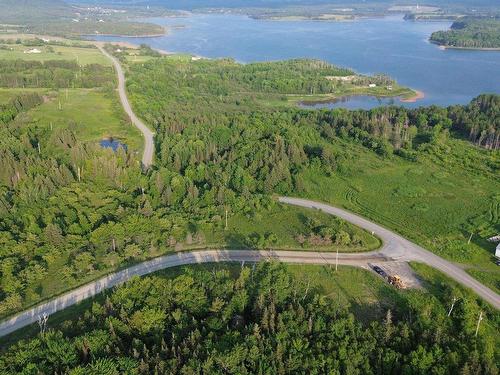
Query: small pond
(113, 144)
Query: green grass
(435, 201)
(90, 113)
(84, 56)
(348, 90)
(488, 277)
(286, 223)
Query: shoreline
(413, 99)
(127, 45)
(126, 36)
(445, 47)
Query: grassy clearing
(435, 201)
(91, 113)
(84, 56)
(379, 92)
(287, 223)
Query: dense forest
(470, 33)
(259, 321)
(53, 74)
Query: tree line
(470, 32)
(53, 74)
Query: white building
(34, 50)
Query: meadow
(82, 55)
(438, 201)
(92, 114)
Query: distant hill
(192, 4)
(57, 17)
(17, 11)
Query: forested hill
(470, 33)
(191, 4)
(62, 18)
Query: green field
(435, 204)
(286, 223)
(91, 114)
(84, 56)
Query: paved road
(147, 156)
(394, 248)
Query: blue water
(112, 144)
(386, 45)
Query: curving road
(147, 156)
(399, 248)
(394, 248)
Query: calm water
(112, 144)
(389, 45)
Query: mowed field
(438, 201)
(83, 56)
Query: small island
(470, 33)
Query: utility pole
(470, 238)
(337, 260)
(42, 323)
(39, 149)
(479, 321)
(226, 219)
(114, 245)
(452, 305)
